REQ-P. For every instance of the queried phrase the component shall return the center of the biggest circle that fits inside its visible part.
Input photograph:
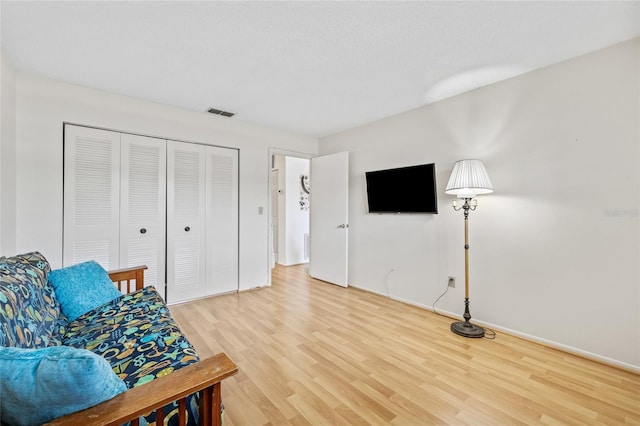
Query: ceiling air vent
(220, 112)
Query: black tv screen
(403, 190)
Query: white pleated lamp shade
(468, 179)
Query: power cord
(488, 333)
(386, 281)
(437, 300)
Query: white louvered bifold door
(91, 201)
(143, 206)
(185, 221)
(222, 220)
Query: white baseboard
(562, 347)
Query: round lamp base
(466, 329)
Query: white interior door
(143, 206)
(329, 214)
(91, 196)
(222, 220)
(185, 221)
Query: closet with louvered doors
(131, 200)
(114, 200)
(202, 220)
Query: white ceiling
(314, 68)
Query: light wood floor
(313, 353)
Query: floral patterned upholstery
(30, 315)
(136, 334)
(141, 341)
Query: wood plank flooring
(310, 353)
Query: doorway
(290, 189)
(326, 251)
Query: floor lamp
(468, 179)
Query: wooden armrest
(126, 275)
(159, 392)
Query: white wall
(42, 107)
(7, 157)
(555, 250)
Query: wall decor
(304, 192)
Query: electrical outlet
(452, 282)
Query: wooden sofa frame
(204, 376)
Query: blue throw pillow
(39, 385)
(82, 287)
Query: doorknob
(343, 226)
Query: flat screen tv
(403, 190)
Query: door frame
(273, 218)
(287, 153)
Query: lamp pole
(465, 328)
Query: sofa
(75, 350)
